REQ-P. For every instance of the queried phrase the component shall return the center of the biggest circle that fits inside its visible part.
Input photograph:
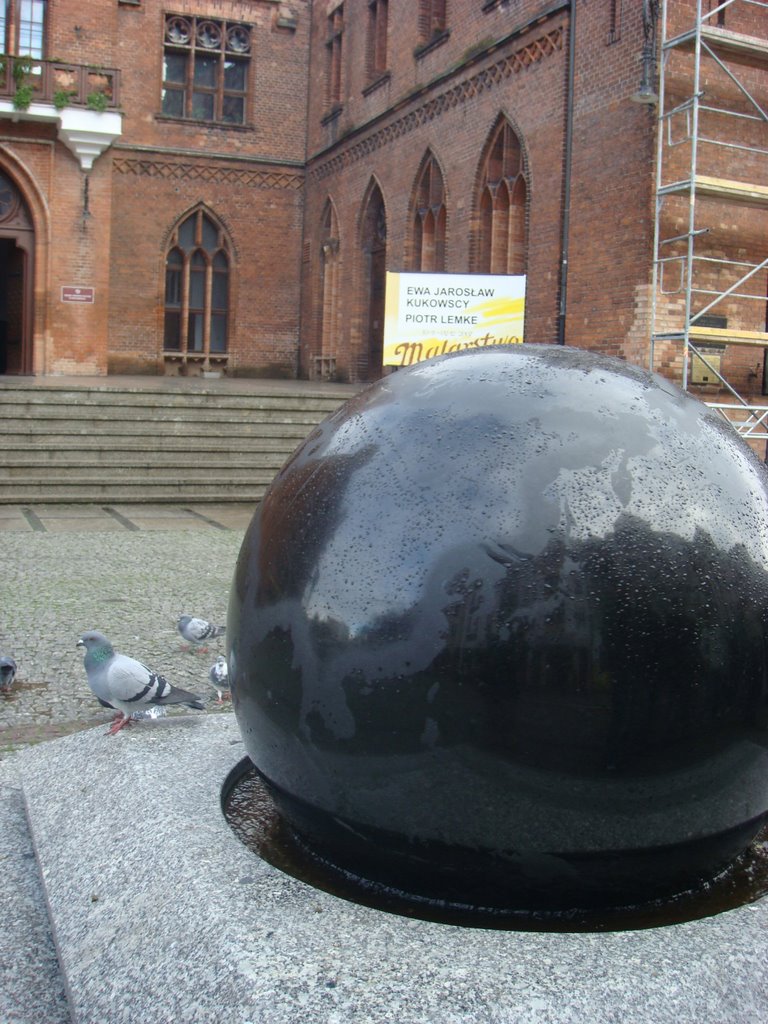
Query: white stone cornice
(87, 133)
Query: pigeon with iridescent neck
(125, 684)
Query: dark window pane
(233, 110)
(218, 332)
(195, 335)
(202, 106)
(172, 287)
(220, 262)
(198, 260)
(210, 234)
(172, 334)
(234, 75)
(205, 71)
(196, 289)
(219, 291)
(175, 68)
(173, 102)
(187, 233)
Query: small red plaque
(76, 293)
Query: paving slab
(67, 518)
(31, 984)
(160, 915)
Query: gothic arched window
(374, 247)
(501, 235)
(429, 218)
(197, 268)
(325, 362)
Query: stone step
(138, 469)
(152, 442)
(40, 446)
(111, 397)
(210, 413)
(58, 429)
(176, 491)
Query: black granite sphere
(498, 634)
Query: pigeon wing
(197, 630)
(130, 682)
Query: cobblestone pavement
(128, 571)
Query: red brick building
(220, 185)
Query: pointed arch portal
(17, 254)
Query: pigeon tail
(175, 695)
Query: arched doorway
(17, 249)
(374, 244)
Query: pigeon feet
(119, 723)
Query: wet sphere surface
(498, 634)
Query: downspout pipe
(567, 175)
(300, 325)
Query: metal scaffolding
(701, 113)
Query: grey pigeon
(125, 684)
(196, 631)
(218, 675)
(7, 673)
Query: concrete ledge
(161, 915)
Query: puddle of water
(252, 815)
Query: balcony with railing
(83, 100)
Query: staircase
(147, 440)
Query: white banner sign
(427, 315)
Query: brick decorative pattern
(171, 170)
(488, 78)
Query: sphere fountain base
(497, 636)
(252, 813)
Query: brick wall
(268, 183)
(107, 229)
(249, 177)
(507, 60)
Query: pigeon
(197, 631)
(7, 673)
(125, 684)
(218, 676)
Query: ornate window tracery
(197, 272)
(325, 362)
(205, 69)
(502, 235)
(429, 218)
